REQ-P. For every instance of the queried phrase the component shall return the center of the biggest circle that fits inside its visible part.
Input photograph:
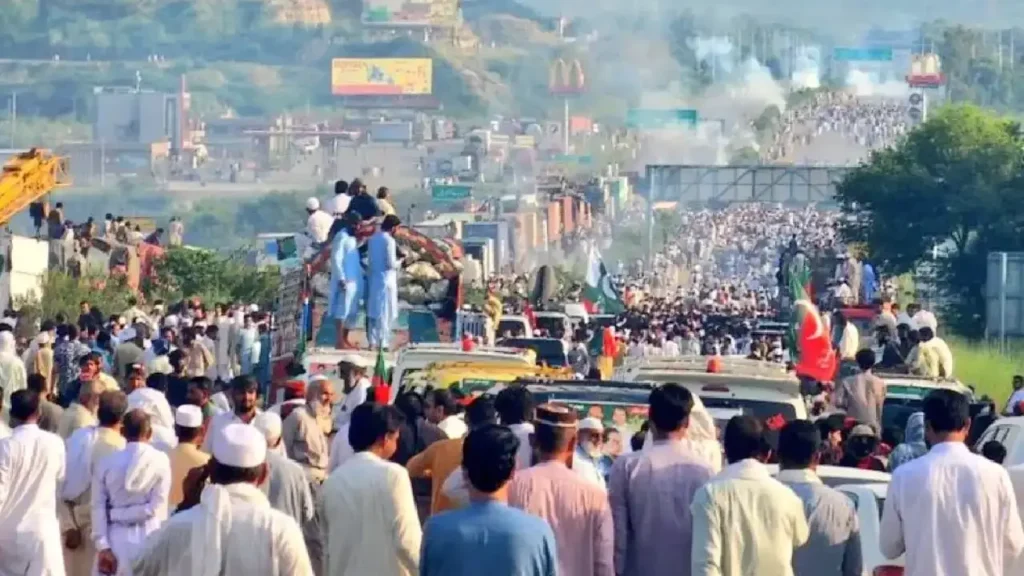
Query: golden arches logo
(566, 77)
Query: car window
(1005, 435)
(761, 409)
(511, 329)
(879, 502)
(555, 325)
(853, 498)
(407, 373)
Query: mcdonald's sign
(566, 77)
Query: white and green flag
(599, 295)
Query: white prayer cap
(312, 204)
(254, 307)
(318, 378)
(925, 319)
(268, 423)
(188, 416)
(240, 445)
(591, 423)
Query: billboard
(395, 13)
(382, 76)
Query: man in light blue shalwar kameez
(248, 346)
(346, 280)
(382, 291)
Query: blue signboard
(573, 159)
(442, 193)
(863, 54)
(654, 119)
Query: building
(125, 116)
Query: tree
(953, 185)
(186, 272)
(62, 294)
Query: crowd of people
(427, 486)
(871, 123)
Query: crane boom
(28, 177)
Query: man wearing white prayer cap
(188, 427)
(234, 529)
(151, 398)
(288, 487)
(318, 225)
(269, 424)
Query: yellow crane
(28, 177)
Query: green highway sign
(573, 159)
(862, 54)
(451, 192)
(654, 119)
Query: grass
(983, 366)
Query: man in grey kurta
(833, 548)
(288, 487)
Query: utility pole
(14, 118)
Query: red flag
(608, 347)
(530, 316)
(816, 358)
(381, 389)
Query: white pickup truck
(867, 489)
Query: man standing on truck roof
(347, 280)
(382, 283)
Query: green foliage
(185, 272)
(62, 294)
(983, 366)
(953, 184)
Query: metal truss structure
(740, 184)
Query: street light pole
(14, 118)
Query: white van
(761, 389)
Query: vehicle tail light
(715, 388)
(887, 571)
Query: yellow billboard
(382, 76)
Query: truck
(496, 231)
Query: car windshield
(624, 410)
(549, 351)
(725, 408)
(897, 410)
(554, 325)
(511, 328)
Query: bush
(186, 272)
(62, 294)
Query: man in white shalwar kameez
(31, 472)
(382, 283)
(288, 487)
(233, 530)
(85, 448)
(12, 371)
(129, 496)
(370, 522)
(152, 399)
(243, 398)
